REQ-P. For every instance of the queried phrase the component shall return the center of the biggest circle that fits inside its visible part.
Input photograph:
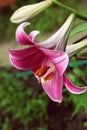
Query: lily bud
(75, 48)
(83, 54)
(29, 11)
(59, 39)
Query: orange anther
(42, 70)
(49, 76)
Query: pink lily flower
(47, 60)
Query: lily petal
(75, 48)
(21, 37)
(73, 88)
(53, 88)
(26, 59)
(60, 37)
(59, 58)
(33, 34)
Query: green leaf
(80, 28)
(85, 124)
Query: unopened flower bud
(29, 11)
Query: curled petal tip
(73, 88)
(21, 36)
(33, 34)
(24, 24)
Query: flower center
(48, 77)
(42, 70)
(44, 75)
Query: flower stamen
(48, 77)
(42, 70)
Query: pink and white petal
(73, 88)
(21, 37)
(59, 58)
(53, 88)
(33, 34)
(24, 53)
(26, 59)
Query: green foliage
(7, 29)
(80, 102)
(85, 124)
(42, 128)
(20, 103)
(78, 29)
(78, 76)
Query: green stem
(81, 16)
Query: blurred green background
(23, 104)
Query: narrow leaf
(80, 28)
